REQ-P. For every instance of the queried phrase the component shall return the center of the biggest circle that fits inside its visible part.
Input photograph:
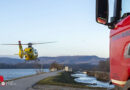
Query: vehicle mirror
(102, 11)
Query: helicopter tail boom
(21, 52)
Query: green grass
(64, 79)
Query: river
(9, 74)
(91, 81)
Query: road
(26, 83)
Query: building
(67, 69)
(53, 69)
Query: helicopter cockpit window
(30, 50)
(35, 51)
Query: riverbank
(63, 80)
(101, 76)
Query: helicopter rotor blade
(9, 44)
(29, 43)
(14, 44)
(42, 43)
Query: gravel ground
(52, 87)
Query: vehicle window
(127, 52)
(125, 7)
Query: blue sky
(69, 22)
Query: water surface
(15, 73)
(83, 78)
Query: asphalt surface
(26, 83)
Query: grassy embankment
(101, 76)
(64, 79)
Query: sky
(71, 23)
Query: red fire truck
(119, 24)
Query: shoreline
(101, 76)
(57, 83)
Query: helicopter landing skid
(36, 60)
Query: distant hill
(8, 60)
(94, 60)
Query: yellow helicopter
(28, 53)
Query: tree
(104, 66)
(56, 65)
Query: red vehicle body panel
(1, 79)
(119, 40)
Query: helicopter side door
(35, 53)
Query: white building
(53, 69)
(67, 69)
